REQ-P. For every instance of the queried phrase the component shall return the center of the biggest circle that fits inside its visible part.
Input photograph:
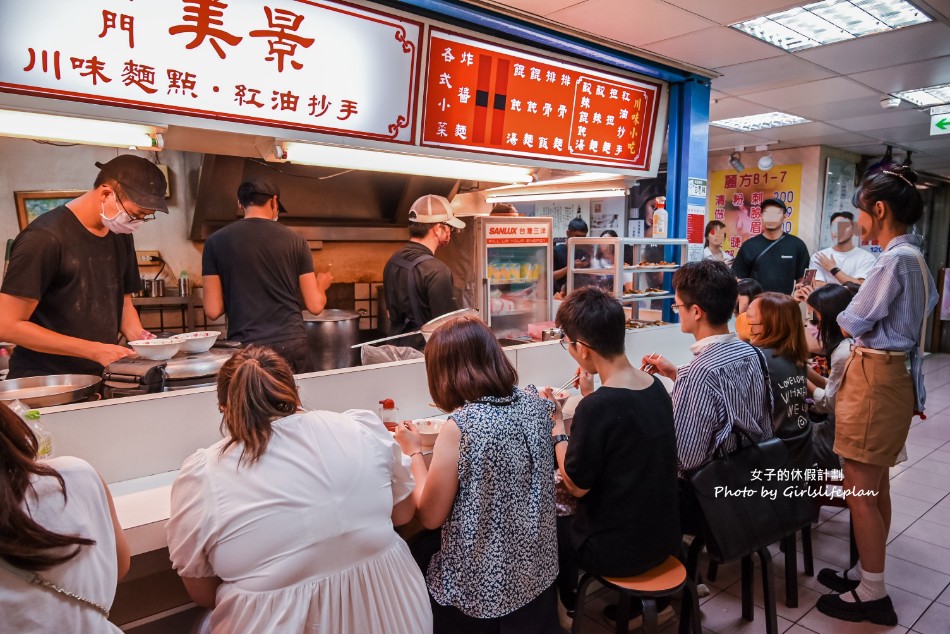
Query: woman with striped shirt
(878, 396)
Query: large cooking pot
(45, 391)
(330, 336)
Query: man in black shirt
(256, 270)
(576, 228)
(419, 287)
(774, 259)
(68, 289)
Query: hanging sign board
(322, 67)
(483, 97)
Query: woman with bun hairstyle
(57, 525)
(286, 523)
(878, 397)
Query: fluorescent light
(831, 21)
(759, 121)
(47, 127)
(932, 96)
(379, 161)
(595, 193)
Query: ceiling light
(889, 102)
(831, 21)
(932, 96)
(765, 163)
(47, 127)
(379, 161)
(595, 193)
(736, 162)
(759, 121)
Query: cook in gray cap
(68, 288)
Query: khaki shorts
(874, 408)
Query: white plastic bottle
(660, 218)
(43, 437)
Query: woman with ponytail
(878, 396)
(58, 534)
(286, 524)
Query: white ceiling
(838, 86)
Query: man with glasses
(419, 287)
(724, 385)
(68, 289)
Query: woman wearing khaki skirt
(878, 397)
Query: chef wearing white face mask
(68, 289)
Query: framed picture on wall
(32, 205)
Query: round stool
(663, 581)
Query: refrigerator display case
(513, 269)
(642, 283)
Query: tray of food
(642, 323)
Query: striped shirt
(722, 386)
(888, 311)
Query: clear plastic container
(389, 413)
(43, 437)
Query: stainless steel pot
(55, 389)
(330, 336)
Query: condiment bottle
(43, 437)
(660, 218)
(389, 413)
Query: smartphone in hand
(808, 279)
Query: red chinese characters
(484, 98)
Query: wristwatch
(561, 438)
(835, 271)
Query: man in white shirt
(843, 262)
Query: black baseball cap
(141, 180)
(261, 185)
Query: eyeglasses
(565, 342)
(450, 227)
(676, 307)
(146, 218)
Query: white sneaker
(702, 590)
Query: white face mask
(121, 222)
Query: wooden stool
(663, 581)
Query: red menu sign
(485, 98)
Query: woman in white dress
(59, 524)
(286, 524)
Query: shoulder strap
(923, 275)
(410, 268)
(766, 250)
(769, 397)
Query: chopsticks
(569, 383)
(648, 366)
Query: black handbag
(748, 497)
(745, 506)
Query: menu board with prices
(327, 67)
(487, 98)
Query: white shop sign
(322, 67)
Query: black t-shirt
(434, 289)
(80, 280)
(260, 263)
(790, 420)
(581, 253)
(623, 448)
(778, 269)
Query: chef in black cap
(68, 289)
(260, 273)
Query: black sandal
(880, 611)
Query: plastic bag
(370, 355)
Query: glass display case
(513, 262)
(638, 271)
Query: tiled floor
(918, 552)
